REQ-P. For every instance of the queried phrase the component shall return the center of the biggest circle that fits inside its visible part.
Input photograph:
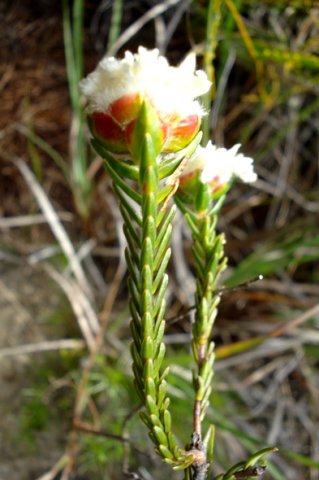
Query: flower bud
(216, 168)
(115, 91)
(181, 132)
(108, 132)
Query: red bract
(108, 132)
(181, 132)
(117, 89)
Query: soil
(26, 307)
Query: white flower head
(220, 165)
(170, 89)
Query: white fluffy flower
(219, 165)
(170, 89)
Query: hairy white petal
(221, 164)
(170, 89)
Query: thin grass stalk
(259, 65)
(78, 32)
(46, 147)
(73, 45)
(116, 20)
(212, 28)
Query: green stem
(147, 226)
(208, 250)
(209, 260)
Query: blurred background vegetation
(67, 399)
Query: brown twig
(200, 465)
(84, 427)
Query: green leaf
(147, 134)
(160, 297)
(209, 442)
(129, 227)
(167, 420)
(149, 230)
(161, 271)
(146, 419)
(131, 245)
(132, 268)
(167, 166)
(163, 221)
(203, 197)
(162, 388)
(155, 421)
(147, 348)
(134, 294)
(158, 335)
(151, 405)
(253, 459)
(123, 168)
(163, 247)
(147, 254)
(160, 314)
(165, 452)
(160, 435)
(133, 194)
(159, 358)
(135, 330)
(148, 371)
(128, 207)
(147, 320)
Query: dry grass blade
(82, 309)
(55, 470)
(82, 397)
(285, 327)
(139, 24)
(29, 220)
(174, 22)
(55, 225)
(246, 349)
(45, 346)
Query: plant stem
(147, 227)
(209, 262)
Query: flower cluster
(216, 167)
(115, 91)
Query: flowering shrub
(142, 107)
